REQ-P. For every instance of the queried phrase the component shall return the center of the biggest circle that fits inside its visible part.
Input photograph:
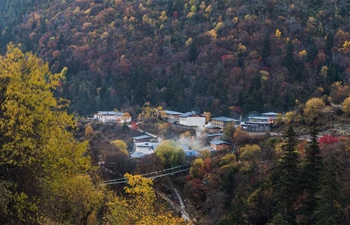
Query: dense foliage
(218, 56)
(46, 175)
(276, 180)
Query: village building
(223, 121)
(143, 145)
(256, 126)
(191, 119)
(146, 147)
(219, 145)
(170, 116)
(272, 115)
(142, 138)
(261, 123)
(214, 136)
(212, 129)
(112, 117)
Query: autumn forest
(224, 56)
(63, 60)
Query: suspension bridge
(153, 175)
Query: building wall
(111, 118)
(218, 123)
(220, 147)
(193, 121)
(123, 119)
(173, 118)
(143, 149)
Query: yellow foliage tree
(278, 34)
(163, 16)
(241, 49)
(212, 33)
(196, 165)
(346, 46)
(169, 153)
(121, 145)
(346, 106)
(138, 206)
(249, 152)
(324, 71)
(88, 130)
(302, 54)
(228, 159)
(35, 142)
(313, 107)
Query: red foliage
(236, 109)
(207, 164)
(133, 126)
(175, 14)
(225, 57)
(328, 139)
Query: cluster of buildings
(112, 117)
(145, 144)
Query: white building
(112, 117)
(191, 119)
(144, 148)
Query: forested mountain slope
(223, 56)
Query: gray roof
(141, 137)
(113, 113)
(259, 118)
(224, 119)
(187, 114)
(212, 127)
(215, 134)
(219, 142)
(172, 112)
(192, 153)
(152, 145)
(269, 114)
(107, 112)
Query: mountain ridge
(204, 55)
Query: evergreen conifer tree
(288, 60)
(311, 174)
(284, 178)
(328, 207)
(266, 51)
(193, 52)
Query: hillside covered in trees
(224, 56)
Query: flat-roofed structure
(170, 116)
(112, 117)
(142, 138)
(191, 119)
(270, 114)
(214, 136)
(222, 121)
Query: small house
(142, 138)
(112, 117)
(212, 129)
(146, 147)
(191, 119)
(214, 136)
(223, 121)
(252, 126)
(219, 145)
(170, 116)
